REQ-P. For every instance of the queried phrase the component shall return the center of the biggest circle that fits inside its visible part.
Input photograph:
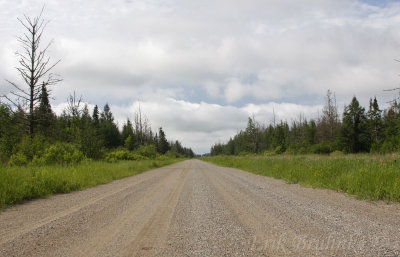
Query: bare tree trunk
(34, 67)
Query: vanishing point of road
(194, 208)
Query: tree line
(92, 133)
(358, 130)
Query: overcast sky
(200, 68)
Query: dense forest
(78, 133)
(356, 130)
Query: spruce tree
(45, 119)
(163, 145)
(95, 116)
(354, 133)
(374, 121)
(109, 130)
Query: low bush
(148, 151)
(60, 153)
(122, 154)
(172, 154)
(18, 159)
(322, 148)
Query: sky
(199, 69)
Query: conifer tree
(374, 120)
(45, 117)
(163, 145)
(109, 130)
(354, 134)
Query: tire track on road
(151, 237)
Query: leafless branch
(34, 67)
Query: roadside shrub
(279, 150)
(172, 154)
(337, 153)
(60, 153)
(162, 158)
(389, 146)
(322, 148)
(122, 154)
(31, 147)
(268, 153)
(3, 157)
(18, 159)
(148, 151)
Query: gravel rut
(194, 208)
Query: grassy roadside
(372, 177)
(18, 184)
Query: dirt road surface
(194, 208)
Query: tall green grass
(371, 177)
(18, 184)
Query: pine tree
(90, 140)
(127, 130)
(311, 133)
(128, 136)
(109, 130)
(252, 136)
(163, 145)
(374, 121)
(95, 116)
(354, 133)
(45, 119)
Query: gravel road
(194, 208)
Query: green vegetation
(372, 177)
(358, 131)
(18, 184)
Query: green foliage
(60, 153)
(18, 159)
(108, 129)
(148, 151)
(354, 133)
(162, 143)
(322, 148)
(358, 131)
(279, 149)
(45, 118)
(18, 184)
(373, 177)
(129, 143)
(172, 154)
(32, 147)
(123, 154)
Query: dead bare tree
(74, 106)
(34, 68)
